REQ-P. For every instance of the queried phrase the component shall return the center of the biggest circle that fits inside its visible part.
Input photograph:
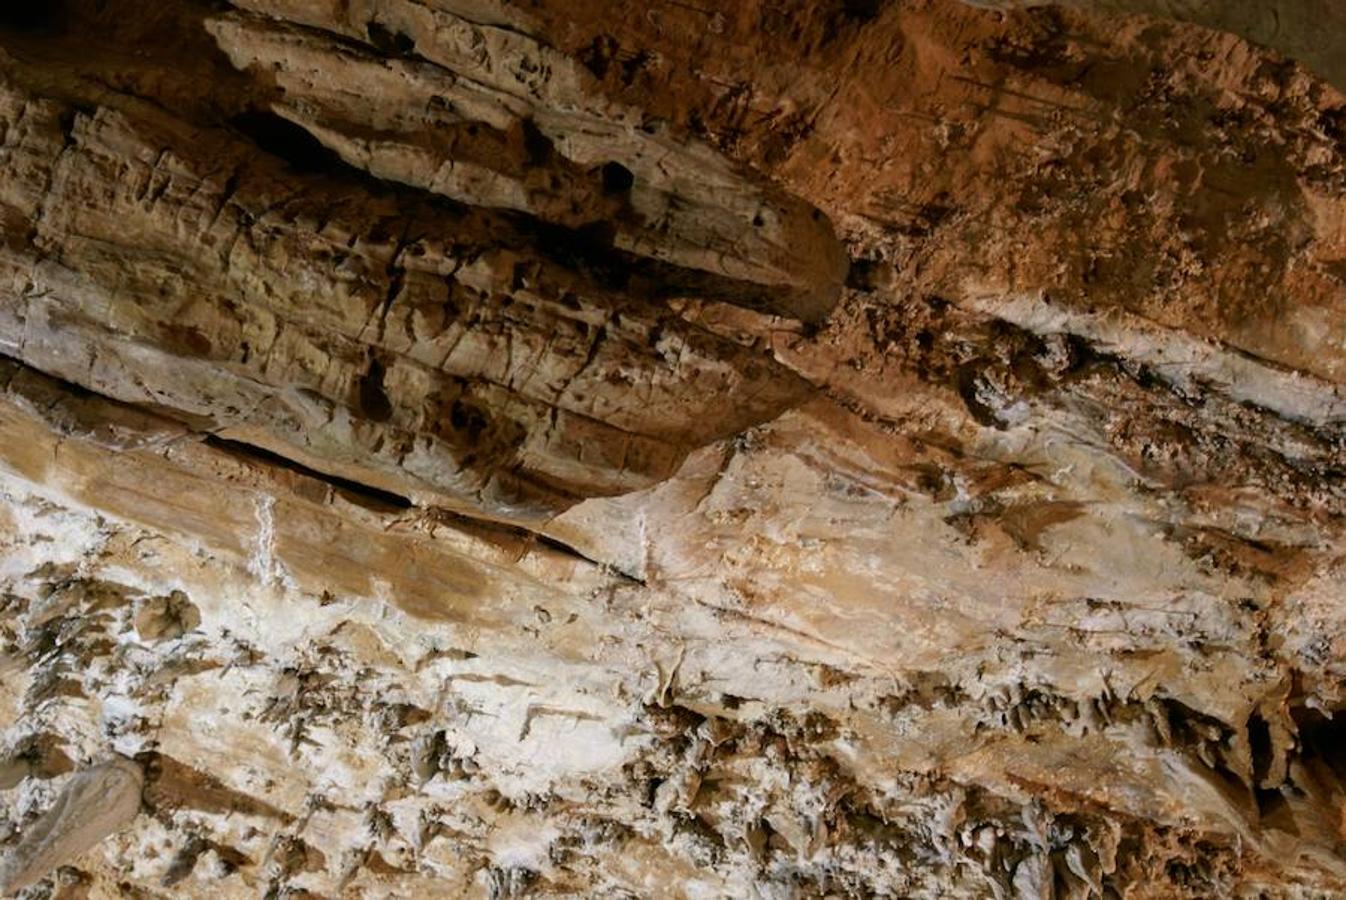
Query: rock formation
(95, 803)
(821, 448)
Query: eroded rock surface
(822, 448)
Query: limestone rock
(94, 804)
(432, 353)
(828, 448)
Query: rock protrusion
(96, 803)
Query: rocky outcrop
(432, 352)
(486, 115)
(828, 448)
(95, 803)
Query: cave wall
(823, 448)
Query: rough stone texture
(94, 804)
(782, 449)
(1307, 30)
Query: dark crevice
(362, 494)
(867, 275)
(284, 139)
(590, 250)
(617, 178)
(374, 402)
(1322, 737)
(1259, 741)
(468, 421)
(393, 43)
(566, 549)
(382, 501)
(537, 147)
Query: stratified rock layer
(822, 448)
(431, 351)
